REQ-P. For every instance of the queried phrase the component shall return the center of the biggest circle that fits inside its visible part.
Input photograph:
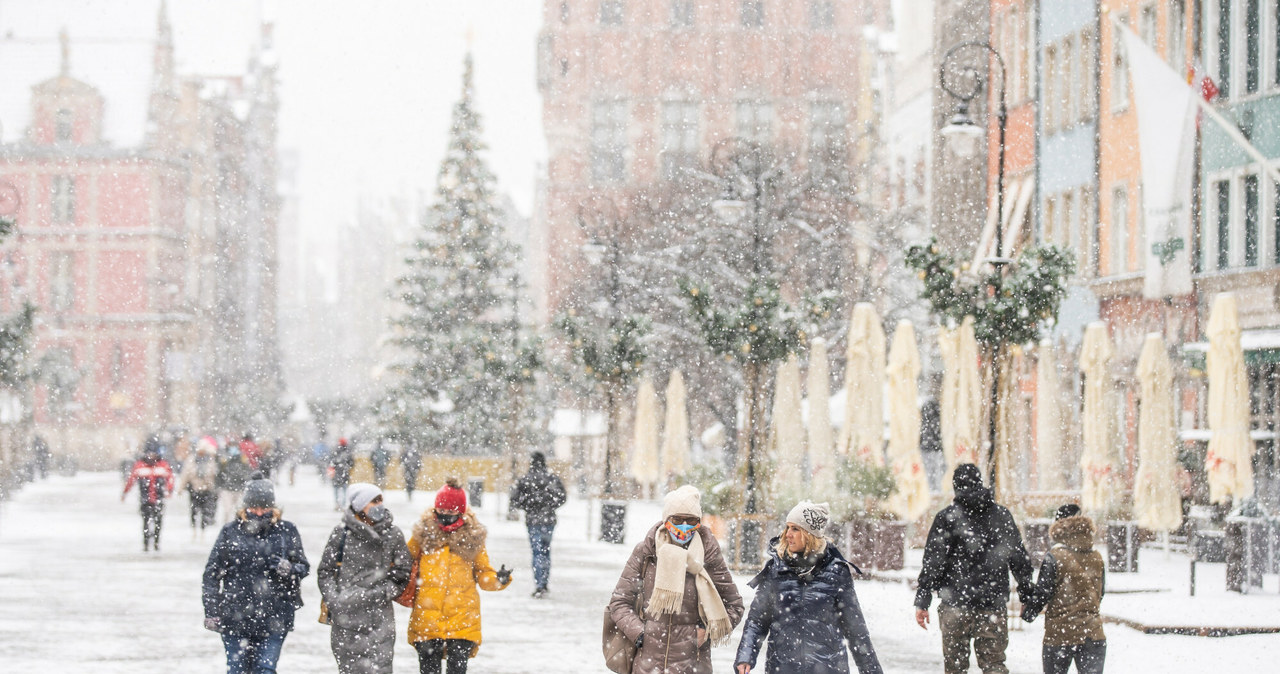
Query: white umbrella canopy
(788, 433)
(1229, 460)
(912, 496)
(863, 430)
(644, 458)
(1049, 419)
(1156, 504)
(960, 407)
(822, 458)
(675, 430)
(1005, 428)
(1096, 464)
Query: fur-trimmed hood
(466, 541)
(1075, 532)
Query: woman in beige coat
(687, 598)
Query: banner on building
(1166, 108)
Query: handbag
(411, 589)
(619, 651)
(324, 605)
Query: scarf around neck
(674, 561)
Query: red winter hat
(451, 497)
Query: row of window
(1239, 235)
(680, 132)
(1065, 220)
(1069, 81)
(683, 13)
(1244, 39)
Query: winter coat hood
(466, 541)
(970, 494)
(362, 569)
(1075, 532)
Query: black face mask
(446, 520)
(256, 523)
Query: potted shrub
(870, 536)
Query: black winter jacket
(244, 585)
(807, 619)
(972, 546)
(538, 494)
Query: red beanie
(451, 497)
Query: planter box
(874, 544)
(1122, 547)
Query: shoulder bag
(324, 605)
(619, 651)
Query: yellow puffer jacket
(450, 566)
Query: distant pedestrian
(200, 478)
(380, 457)
(411, 462)
(688, 601)
(341, 461)
(233, 474)
(251, 582)
(806, 605)
(43, 456)
(365, 565)
(1072, 581)
(154, 478)
(973, 544)
(539, 493)
(449, 544)
(251, 452)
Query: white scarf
(668, 585)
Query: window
(609, 141)
(1067, 212)
(1050, 234)
(1177, 33)
(1088, 77)
(1147, 26)
(564, 12)
(1222, 200)
(1251, 220)
(822, 14)
(679, 138)
(1224, 48)
(62, 284)
(1119, 70)
(753, 13)
(1252, 46)
(681, 13)
(1119, 230)
(62, 125)
(1275, 222)
(1071, 79)
(826, 141)
(1029, 52)
(1089, 259)
(1275, 43)
(64, 199)
(611, 12)
(754, 121)
(1051, 104)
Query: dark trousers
(430, 654)
(152, 513)
(1088, 657)
(988, 631)
(540, 544)
(204, 508)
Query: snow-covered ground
(77, 594)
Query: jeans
(431, 652)
(988, 630)
(256, 654)
(1088, 657)
(540, 543)
(152, 516)
(204, 508)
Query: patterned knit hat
(812, 517)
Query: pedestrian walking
(806, 605)
(154, 478)
(1069, 591)
(43, 457)
(539, 493)
(364, 567)
(675, 597)
(233, 474)
(251, 582)
(411, 462)
(200, 478)
(972, 547)
(341, 461)
(380, 457)
(251, 452)
(449, 544)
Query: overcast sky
(366, 87)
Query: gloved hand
(213, 624)
(640, 641)
(283, 566)
(504, 575)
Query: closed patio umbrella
(675, 430)
(1229, 461)
(960, 407)
(1049, 430)
(644, 456)
(863, 430)
(1096, 463)
(912, 496)
(1156, 505)
(788, 433)
(822, 458)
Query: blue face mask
(681, 533)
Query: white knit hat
(360, 494)
(812, 517)
(684, 501)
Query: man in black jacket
(539, 493)
(972, 546)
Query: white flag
(1166, 108)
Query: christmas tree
(467, 360)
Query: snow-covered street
(77, 594)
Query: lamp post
(962, 136)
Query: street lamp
(962, 136)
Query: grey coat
(671, 642)
(362, 570)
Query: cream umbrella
(1155, 487)
(1048, 419)
(644, 457)
(960, 407)
(675, 431)
(912, 496)
(863, 430)
(788, 433)
(822, 458)
(1229, 461)
(1096, 464)
(1005, 428)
